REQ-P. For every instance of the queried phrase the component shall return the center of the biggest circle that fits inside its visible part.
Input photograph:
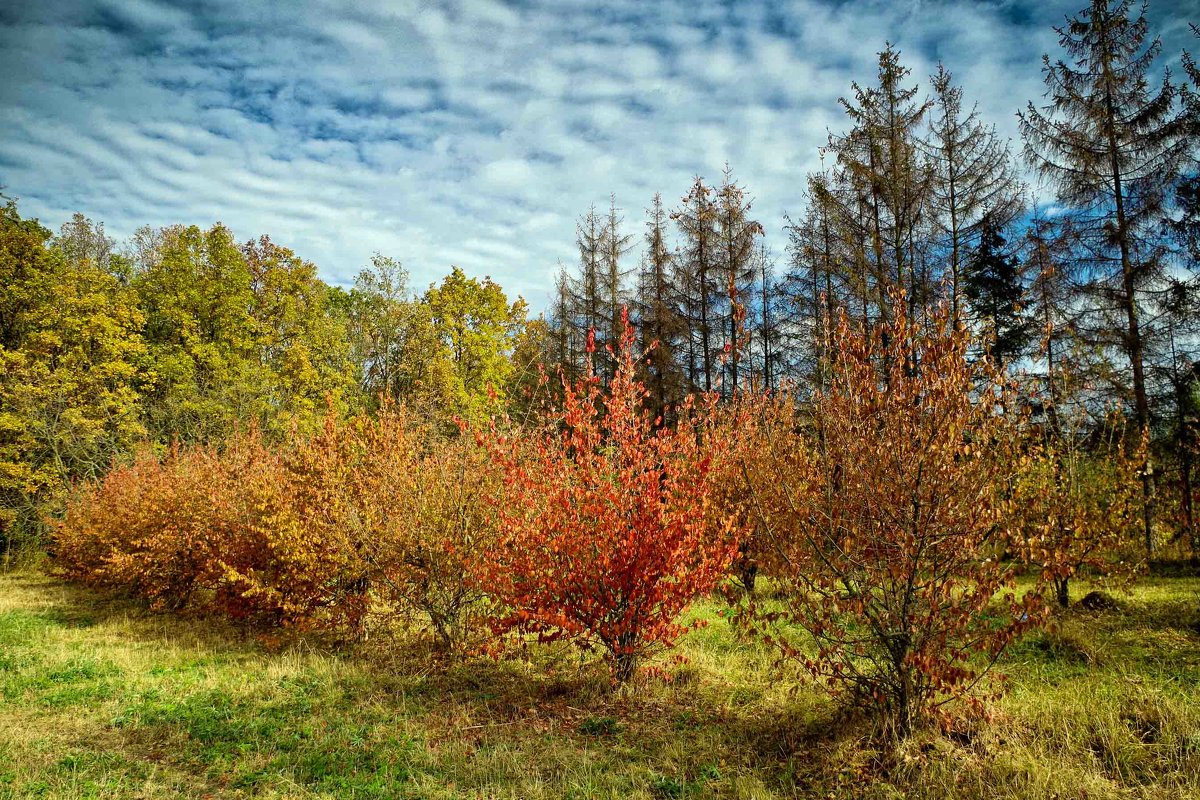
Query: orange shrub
(294, 558)
(429, 561)
(1082, 504)
(149, 528)
(370, 517)
(888, 516)
(736, 427)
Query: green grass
(99, 698)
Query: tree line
(183, 334)
(1091, 295)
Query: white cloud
(508, 174)
(470, 132)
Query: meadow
(274, 529)
(100, 697)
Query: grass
(99, 698)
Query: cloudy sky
(471, 132)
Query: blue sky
(470, 133)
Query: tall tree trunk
(1133, 338)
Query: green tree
(992, 282)
(395, 350)
(531, 383)
(195, 289)
(478, 329)
(70, 357)
(301, 338)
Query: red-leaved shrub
(604, 534)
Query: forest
(899, 500)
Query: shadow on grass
(1175, 568)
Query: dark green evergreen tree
(994, 289)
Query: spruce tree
(660, 325)
(974, 184)
(818, 281)
(699, 281)
(993, 286)
(737, 235)
(588, 309)
(613, 276)
(564, 352)
(1112, 145)
(766, 326)
(883, 183)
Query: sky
(470, 133)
